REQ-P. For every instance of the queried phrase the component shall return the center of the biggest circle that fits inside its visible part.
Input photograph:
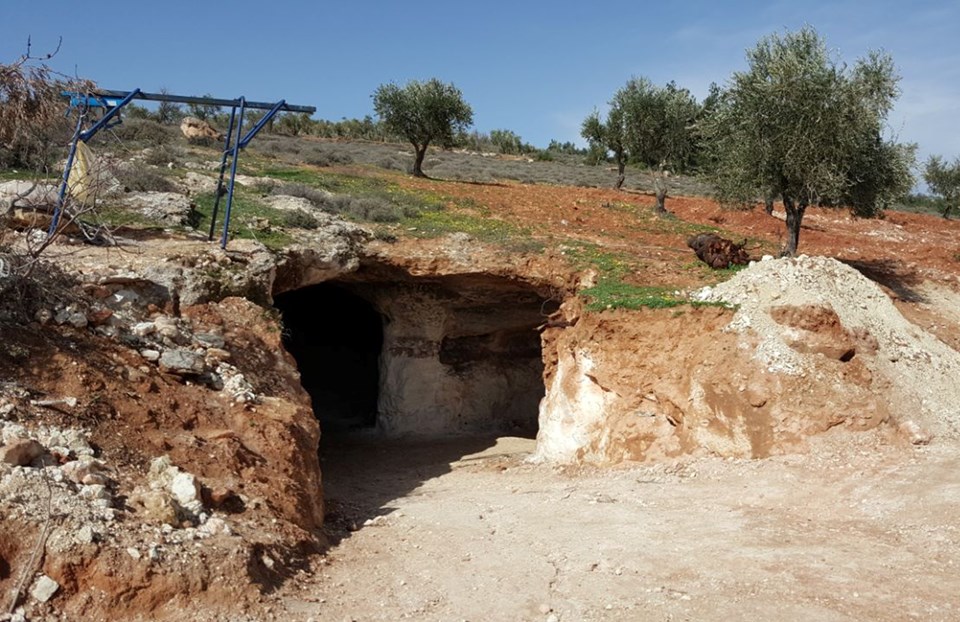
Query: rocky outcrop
(164, 208)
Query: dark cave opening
(336, 338)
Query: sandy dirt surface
(467, 530)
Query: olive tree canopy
(943, 179)
(424, 113)
(648, 125)
(802, 125)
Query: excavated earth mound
(812, 345)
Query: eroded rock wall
(458, 357)
(649, 384)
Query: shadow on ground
(364, 473)
(892, 275)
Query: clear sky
(535, 67)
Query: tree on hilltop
(802, 125)
(943, 179)
(424, 113)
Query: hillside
(485, 395)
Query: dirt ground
(856, 529)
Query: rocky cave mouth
(438, 356)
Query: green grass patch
(9, 174)
(609, 265)
(615, 294)
(437, 222)
(247, 215)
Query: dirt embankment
(160, 493)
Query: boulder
(192, 127)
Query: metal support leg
(62, 195)
(223, 169)
(233, 177)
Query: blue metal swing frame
(114, 101)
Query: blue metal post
(262, 122)
(223, 169)
(233, 177)
(62, 196)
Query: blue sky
(537, 68)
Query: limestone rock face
(459, 357)
(27, 193)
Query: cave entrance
(428, 356)
(336, 338)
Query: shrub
(392, 164)
(300, 219)
(204, 141)
(372, 209)
(163, 155)
(324, 157)
(314, 195)
(136, 178)
(145, 131)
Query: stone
(86, 535)
(167, 327)
(95, 492)
(95, 479)
(216, 526)
(210, 340)
(165, 208)
(156, 506)
(133, 552)
(20, 452)
(27, 193)
(195, 183)
(98, 317)
(182, 361)
(44, 589)
(186, 490)
(142, 329)
(43, 316)
(78, 470)
(914, 433)
(150, 354)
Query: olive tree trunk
(768, 204)
(421, 153)
(621, 171)
(660, 186)
(795, 212)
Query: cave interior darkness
(336, 338)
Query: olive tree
(943, 179)
(800, 124)
(423, 113)
(608, 136)
(648, 125)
